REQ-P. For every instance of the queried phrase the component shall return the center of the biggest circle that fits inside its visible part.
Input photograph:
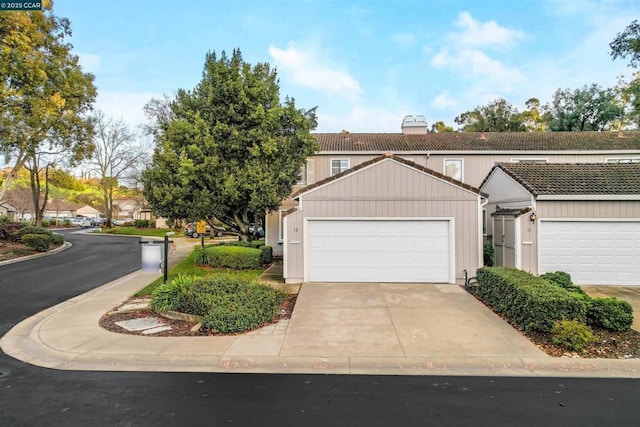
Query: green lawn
(133, 231)
(188, 267)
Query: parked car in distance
(87, 223)
(190, 230)
(122, 221)
(259, 233)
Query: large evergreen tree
(230, 149)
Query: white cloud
(306, 69)
(475, 63)
(443, 101)
(463, 54)
(89, 62)
(404, 39)
(488, 34)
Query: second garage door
(593, 252)
(379, 251)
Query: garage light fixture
(533, 217)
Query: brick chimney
(414, 125)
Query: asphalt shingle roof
(476, 141)
(576, 179)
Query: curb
(65, 246)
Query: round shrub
(57, 239)
(31, 229)
(169, 296)
(572, 335)
(249, 308)
(38, 242)
(227, 303)
(610, 313)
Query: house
(7, 210)
(385, 220)
(467, 158)
(88, 212)
(580, 218)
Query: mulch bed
(181, 328)
(10, 250)
(607, 344)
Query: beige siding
(392, 190)
(588, 209)
(506, 192)
(580, 209)
(294, 262)
(476, 166)
(272, 228)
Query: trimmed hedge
(563, 280)
(226, 303)
(38, 242)
(610, 313)
(236, 257)
(531, 302)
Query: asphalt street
(33, 396)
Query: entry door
(504, 234)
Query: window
(530, 161)
(453, 168)
(305, 177)
(624, 160)
(281, 228)
(339, 165)
(484, 222)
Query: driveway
(398, 320)
(630, 294)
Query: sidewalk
(67, 336)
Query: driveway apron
(398, 320)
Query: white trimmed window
(484, 222)
(453, 168)
(306, 173)
(281, 227)
(339, 165)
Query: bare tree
(117, 156)
(20, 198)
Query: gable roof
(574, 179)
(479, 141)
(379, 159)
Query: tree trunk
(22, 158)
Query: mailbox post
(166, 254)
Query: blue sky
(364, 64)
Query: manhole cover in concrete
(139, 324)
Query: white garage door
(593, 252)
(379, 251)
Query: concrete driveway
(630, 294)
(398, 320)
